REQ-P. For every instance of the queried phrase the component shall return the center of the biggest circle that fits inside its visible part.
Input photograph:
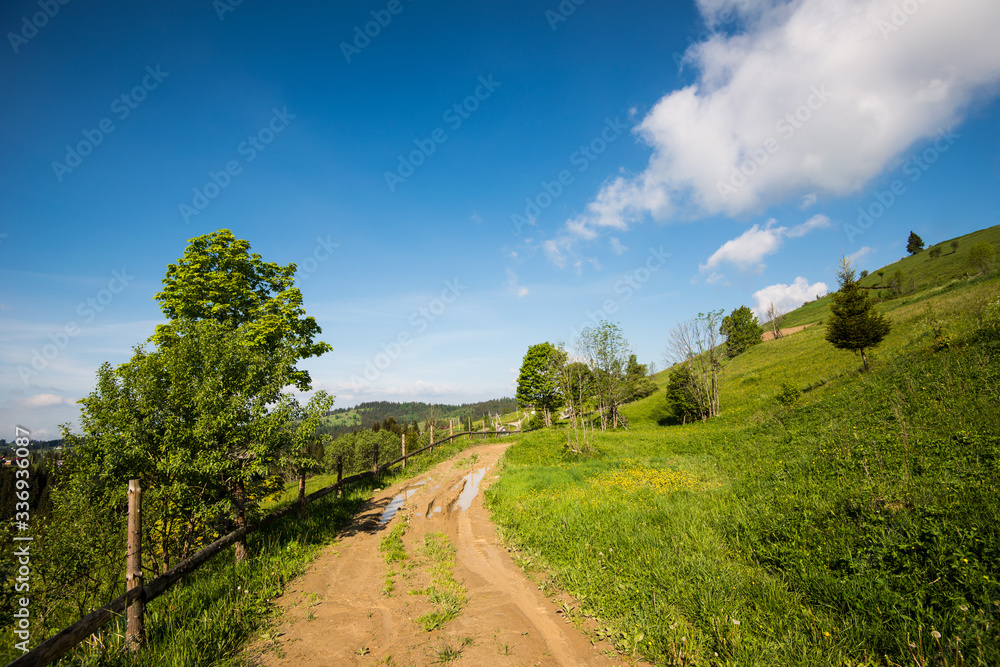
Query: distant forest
(380, 412)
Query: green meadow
(855, 523)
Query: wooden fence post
(403, 453)
(375, 464)
(451, 428)
(340, 476)
(135, 627)
(302, 494)
(432, 438)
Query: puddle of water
(472, 481)
(398, 501)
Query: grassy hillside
(929, 275)
(860, 526)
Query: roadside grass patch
(445, 594)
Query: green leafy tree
(538, 381)
(854, 324)
(914, 243)
(638, 384)
(200, 421)
(954, 246)
(742, 331)
(304, 450)
(219, 279)
(935, 252)
(982, 257)
(683, 402)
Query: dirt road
(353, 608)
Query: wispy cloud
(747, 251)
(513, 287)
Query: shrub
(982, 257)
(788, 394)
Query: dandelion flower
(935, 634)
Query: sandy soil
(338, 614)
(784, 332)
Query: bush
(788, 394)
(982, 257)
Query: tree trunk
(241, 553)
(864, 359)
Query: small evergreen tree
(854, 323)
(914, 244)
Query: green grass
(391, 545)
(839, 531)
(445, 594)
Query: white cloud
(39, 401)
(748, 250)
(786, 297)
(855, 256)
(808, 200)
(875, 91)
(617, 247)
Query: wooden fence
(135, 599)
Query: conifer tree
(914, 244)
(854, 323)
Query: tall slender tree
(606, 351)
(914, 244)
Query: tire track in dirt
(338, 613)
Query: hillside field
(858, 525)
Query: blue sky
(469, 179)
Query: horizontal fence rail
(60, 643)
